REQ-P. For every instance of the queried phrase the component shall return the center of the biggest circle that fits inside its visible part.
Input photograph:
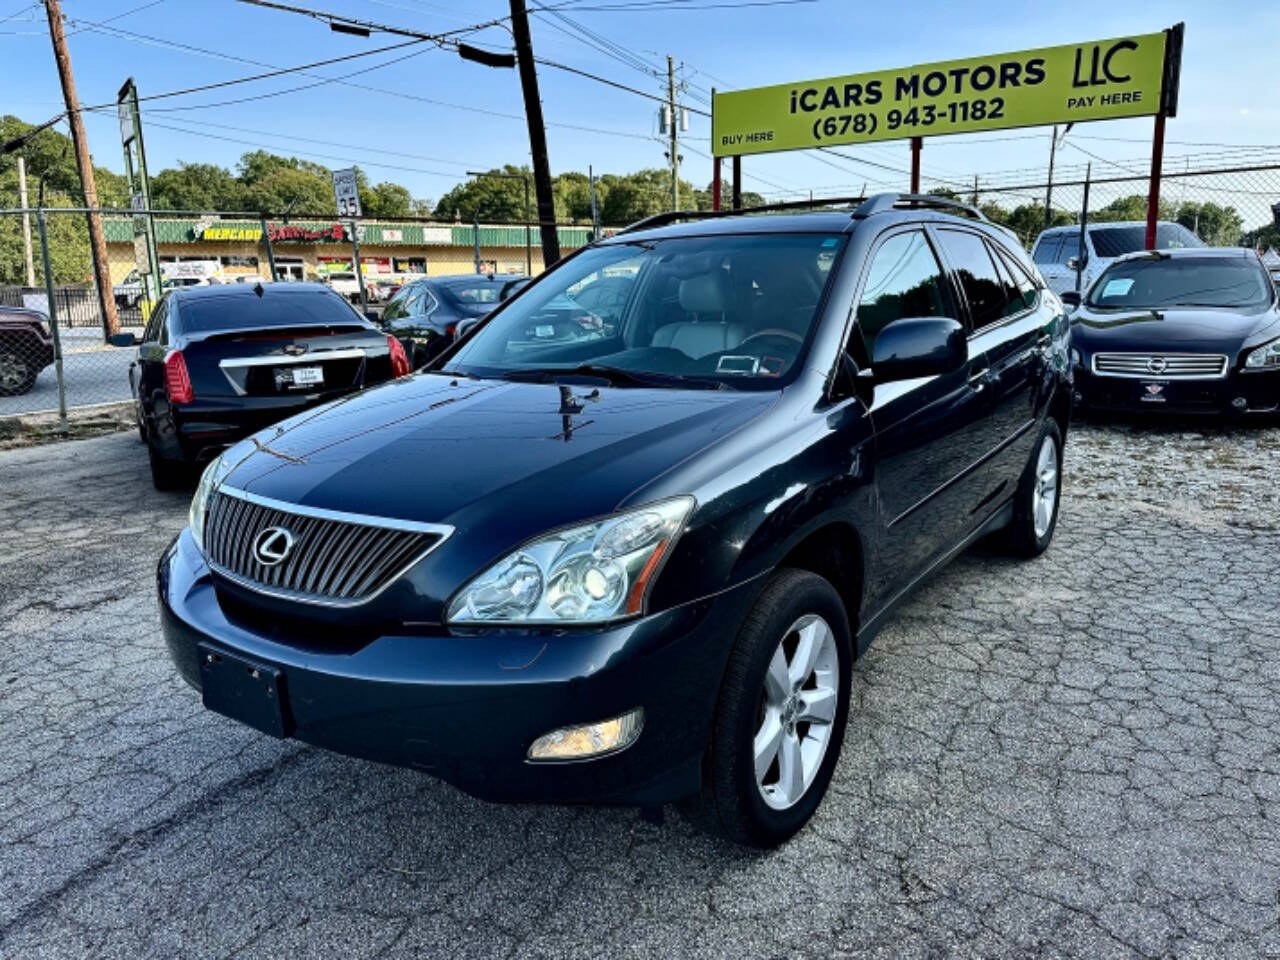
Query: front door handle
(979, 380)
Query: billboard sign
(1099, 80)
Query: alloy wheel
(797, 710)
(1044, 491)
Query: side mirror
(1070, 298)
(918, 347)
(1077, 263)
(124, 340)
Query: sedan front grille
(1161, 366)
(314, 556)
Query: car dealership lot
(1076, 758)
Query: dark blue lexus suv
(625, 549)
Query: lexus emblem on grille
(296, 349)
(1157, 364)
(272, 545)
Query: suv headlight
(1267, 355)
(591, 573)
(209, 480)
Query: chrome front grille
(331, 558)
(1161, 366)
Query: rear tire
(167, 474)
(1035, 505)
(781, 714)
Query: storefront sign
(250, 234)
(1098, 80)
(332, 234)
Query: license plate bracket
(294, 378)
(243, 689)
(1153, 391)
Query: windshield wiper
(614, 376)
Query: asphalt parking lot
(1075, 757)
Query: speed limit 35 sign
(345, 194)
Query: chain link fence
(1223, 205)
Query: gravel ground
(1076, 757)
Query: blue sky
(1229, 92)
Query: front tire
(17, 376)
(1035, 506)
(781, 714)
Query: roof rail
(676, 216)
(891, 201)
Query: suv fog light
(590, 739)
(1240, 403)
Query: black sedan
(425, 314)
(218, 363)
(1179, 331)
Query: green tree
(488, 198)
(386, 199)
(197, 186)
(1216, 225)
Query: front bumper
(1237, 394)
(466, 705)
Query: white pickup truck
(344, 283)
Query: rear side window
(273, 309)
(1048, 249)
(904, 280)
(986, 292)
(1022, 289)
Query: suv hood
(1217, 330)
(438, 450)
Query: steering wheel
(773, 332)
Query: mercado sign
(1099, 80)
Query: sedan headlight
(209, 481)
(1267, 355)
(591, 573)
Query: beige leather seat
(706, 298)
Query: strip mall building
(310, 249)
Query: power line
(346, 158)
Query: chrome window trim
(1221, 358)
(283, 360)
(441, 530)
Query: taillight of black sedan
(1180, 331)
(218, 363)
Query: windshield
(1117, 241)
(1182, 282)
(236, 311)
(692, 311)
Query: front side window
(696, 311)
(1196, 281)
(903, 280)
(986, 292)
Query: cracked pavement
(1074, 757)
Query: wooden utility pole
(97, 241)
(675, 155)
(537, 133)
